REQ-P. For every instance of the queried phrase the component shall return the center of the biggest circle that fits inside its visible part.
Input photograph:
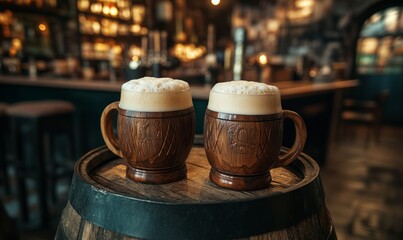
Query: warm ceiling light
(106, 10)
(188, 52)
(114, 11)
(313, 73)
(42, 27)
(304, 3)
(16, 43)
(273, 25)
(135, 28)
(215, 2)
(96, 7)
(262, 59)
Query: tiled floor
(363, 186)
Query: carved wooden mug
(155, 140)
(243, 132)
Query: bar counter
(288, 89)
(317, 103)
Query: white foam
(245, 97)
(149, 94)
(152, 84)
(245, 87)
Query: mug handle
(107, 128)
(300, 138)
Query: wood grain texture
(155, 144)
(243, 148)
(196, 187)
(156, 141)
(73, 226)
(107, 128)
(299, 142)
(110, 206)
(318, 226)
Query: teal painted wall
(370, 85)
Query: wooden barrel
(104, 204)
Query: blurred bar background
(339, 64)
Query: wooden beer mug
(243, 132)
(155, 129)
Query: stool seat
(356, 116)
(36, 109)
(365, 112)
(3, 108)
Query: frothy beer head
(245, 97)
(149, 94)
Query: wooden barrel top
(102, 194)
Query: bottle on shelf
(212, 69)
(239, 39)
(32, 70)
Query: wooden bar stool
(4, 178)
(33, 128)
(367, 113)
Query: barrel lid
(194, 207)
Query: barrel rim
(291, 167)
(85, 193)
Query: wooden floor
(364, 186)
